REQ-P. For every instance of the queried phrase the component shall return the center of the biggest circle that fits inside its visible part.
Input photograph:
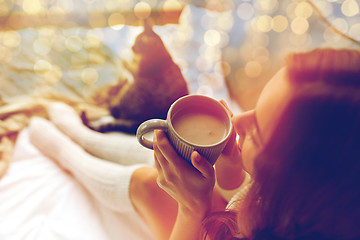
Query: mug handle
(149, 126)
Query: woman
(299, 145)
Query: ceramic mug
(194, 123)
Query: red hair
(306, 178)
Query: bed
(220, 55)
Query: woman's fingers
(187, 184)
(157, 153)
(161, 164)
(157, 164)
(166, 149)
(227, 107)
(173, 169)
(201, 164)
(169, 162)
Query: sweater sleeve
(229, 194)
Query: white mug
(194, 123)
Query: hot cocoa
(199, 127)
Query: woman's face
(255, 127)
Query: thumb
(202, 165)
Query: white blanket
(39, 200)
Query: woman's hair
(306, 179)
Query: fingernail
(197, 157)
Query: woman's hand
(190, 186)
(229, 168)
(231, 154)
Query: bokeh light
(170, 5)
(116, 21)
(341, 25)
(253, 69)
(299, 25)
(222, 68)
(238, 40)
(355, 31)
(89, 76)
(142, 10)
(279, 23)
(303, 10)
(212, 37)
(91, 41)
(32, 6)
(350, 8)
(268, 6)
(245, 11)
(263, 23)
(74, 43)
(41, 67)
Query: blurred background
(225, 48)
(65, 50)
